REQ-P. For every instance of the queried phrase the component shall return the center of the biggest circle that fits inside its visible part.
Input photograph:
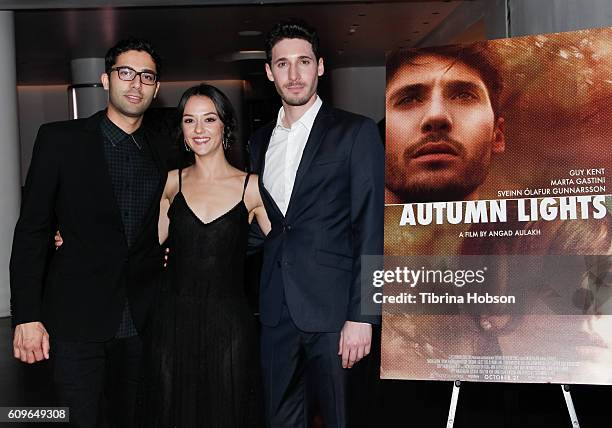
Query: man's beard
(127, 109)
(297, 101)
(467, 180)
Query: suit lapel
(267, 135)
(319, 128)
(98, 168)
(152, 142)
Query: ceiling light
(241, 56)
(249, 33)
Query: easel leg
(453, 404)
(570, 406)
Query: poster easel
(455, 398)
(453, 404)
(570, 406)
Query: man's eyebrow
(410, 89)
(465, 85)
(144, 70)
(299, 57)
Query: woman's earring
(225, 142)
(186, 146)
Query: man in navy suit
(321, 174)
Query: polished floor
(393, 404)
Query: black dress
(202, 359)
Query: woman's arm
(170, 191)
(257, 209)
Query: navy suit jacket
(312, 256)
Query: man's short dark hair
(475, 56)
(292, 29)
(131, 44)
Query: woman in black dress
(202, 362)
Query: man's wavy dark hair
(292, 29)
(131, 44)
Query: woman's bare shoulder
(172, 184)
(252, 190)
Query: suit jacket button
(278, 263)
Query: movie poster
(498, 211)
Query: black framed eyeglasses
(129, 74)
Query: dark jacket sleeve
(31, 237)
(367, 210)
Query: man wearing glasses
(99, 179)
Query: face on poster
(503, 148)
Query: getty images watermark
(411, 278)
(507, 284)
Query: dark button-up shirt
(135, 180)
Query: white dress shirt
(285, 153)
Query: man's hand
(355, 341)
(31, 342)
(58, 240)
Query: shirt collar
(307, 119)
(116, 135)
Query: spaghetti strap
(246, 181)
(180, 172)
